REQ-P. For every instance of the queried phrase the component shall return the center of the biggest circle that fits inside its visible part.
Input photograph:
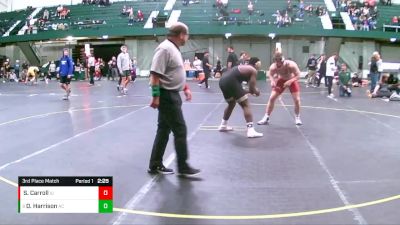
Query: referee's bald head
(177, 29)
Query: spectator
(25, 66)
(187, 67)
(279, 19)
(218, 3)
(124, 66)
(319, 11)
(13, 77)
(64, 12)
(140, 16)
(344, 81)
(224, 15)
(218, 69)
(133, 70)
(197, 66)
(250, 8)
(322, 70)
(124, 11)
(61, 26)
(337, 4)
(381, 90)
(309, 9)
(225, 3)
(52, 69)
(102, 3)
(207, 69)
(131, 17)
(287, 20)
(289, 7)
(356, 80)
(301, 6)
(243, 58)
(113, 67)
(134, 63)
(232, 59)
(91, 66)
(312, 68)
(7, 70)
(375, 69)
(394, 84)
(343, 5)
(331, 69)
(395, 20)
(28, 21)
(365, 23)
(16, 68)
(46, 14)
(97, 69)
(59, 10)
(102, 67)
(185, 2)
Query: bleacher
(8, 19)
(82, 16)
(206, 13)
(386, 14)
(203, 18)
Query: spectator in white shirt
(91, 67)
(250, 8)
(331, 68)
(197, 64)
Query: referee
(167, 79)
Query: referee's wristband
(155, 90)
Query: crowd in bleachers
(100, 3)
(132, 16)
(281, 18)
(190, 2)
(48, 19)
(7, 20)
(362, 15)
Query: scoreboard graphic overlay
(65, 195)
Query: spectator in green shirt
(344, 81)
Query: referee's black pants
(170, 118)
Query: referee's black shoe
(188, 172)
(160, 169)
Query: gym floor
(340, 167)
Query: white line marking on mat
(67, 140)
(356, 213)
(132, 203)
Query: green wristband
(155, 90)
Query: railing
(395, 27)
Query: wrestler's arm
(271, 74)
(295, 71)
(252, 82)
